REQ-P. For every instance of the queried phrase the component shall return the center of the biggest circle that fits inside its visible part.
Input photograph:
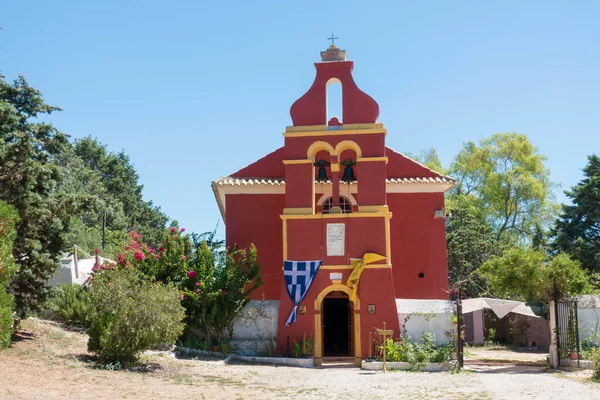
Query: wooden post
(304, 343)
(384, 332)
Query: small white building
(73, 269)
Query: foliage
(419, 353)
(428, 158)
(7, 320)
(217, 286)
(8, 218)
(28, 177)
(522, 274)
(595, 357)
(470, 242)
(507, 176)
(577, 231)
(70, 303)
(131, 314)
(304, 348)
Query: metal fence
(567, 329)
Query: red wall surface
(254, 218)
(418, 242)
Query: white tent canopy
(500, 307)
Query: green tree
(8, 218)
(577, 231)
(525, 274)
(470, 242)
(429, 158)
(28, 178)
(507, 176)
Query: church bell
(348, 171)
(322, 172)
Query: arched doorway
(338, 318)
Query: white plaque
(335, 239)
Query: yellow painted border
(285, 246)
(336, 287)
(334, 216)
(335, 132)
(298, 211)
(373, 209)
(301, 161)
(348, 145)
(371, 159)
(318, 146)
(370, 266)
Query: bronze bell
(348, 171)
(322, 173)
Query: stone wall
(588, 318)
(519, 329)
(255, 330)
(433, 316)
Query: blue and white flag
(299, 276)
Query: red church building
(334, 192)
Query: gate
(567, 329)
(460, 331)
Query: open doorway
(337, 325)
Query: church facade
(334, 192)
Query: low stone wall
(404, 366)
(255, 330)
(572, 364)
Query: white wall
(426, 315)
(588, 317)
(256, 327)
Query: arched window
(345, 205)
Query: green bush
(70, 303)
(131, 314)
(418, 353)
(7, 319)
(595, 357)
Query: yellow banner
(357, 268)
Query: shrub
(418, 353)
(7, 307)
(70, 303)
(217, 287)
(131, 314)
(595, 357)
(8, 218)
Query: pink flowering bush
(217, 286)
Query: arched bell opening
(333, 102)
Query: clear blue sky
(193, 91)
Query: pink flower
(197, 290)
(121, 258)
(223, 292)
(102, 266)
(185, 297)
(127, 248)
(139, 256)
(192, 274)
(111, 266)
(110, 284)
(197, 283)
(161, 249)
(94, 269)
(97, 250)
(157, 256)
(173, 230)
(175, 237)
(182, 229)
(151, 250)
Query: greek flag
(299, 276)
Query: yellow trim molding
(348, 145)
(285, 246)
(313, 128)
(336, 287)
(298, 211)
(336, 132)
(368, 159)
(318, 146)
(335, 167)
(370, 266)
(301, 161)
(373, 209)
(387, 215)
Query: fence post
(553, 318)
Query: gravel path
(52, 363)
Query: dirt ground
(50, 362)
